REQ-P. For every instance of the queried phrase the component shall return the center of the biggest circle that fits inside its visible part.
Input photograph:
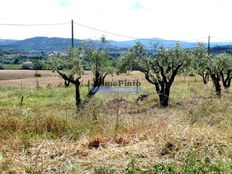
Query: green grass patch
(12, 66)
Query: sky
(189, 20)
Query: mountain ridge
(49, 44)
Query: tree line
(159, 68)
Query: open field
(22, 74)
(42, 133)
(25, 78)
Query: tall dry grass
(46, 135)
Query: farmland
(41, 132)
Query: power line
(32, 25)
(104, 31)
(202, 39)
(56, 24)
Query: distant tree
(100, 65)
(37, 65)
(225, 66)
(27, 65)
(220, 69)
(1, 66)
(159, 70)
(70, 67)
(201, 61)
(16, 61)
(1, 52)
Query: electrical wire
(104, 31)
(32, 25)
(202, 39)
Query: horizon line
(150, 38)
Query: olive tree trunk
(164, 96)
(216, 82)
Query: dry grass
(26, 79)
(22, 74)
(45, 135)
(147, 145)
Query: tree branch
(70, 79)
(174, 73)
(162, 72)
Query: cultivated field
(41, 132)
(27, 79)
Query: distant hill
(39, 44)
(46, 44)
(60, 44)
(7, 41)
(222, 49)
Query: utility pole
(208, 45)
(72, 34)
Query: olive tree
(100, 65)
(225, 68)
(159, 70)
(201, 61)
(220, 69)
(70, 67)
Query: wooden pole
(208, 45)
(72, 31)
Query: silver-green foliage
(160, 69)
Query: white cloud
(169, 19)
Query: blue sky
(168, 19)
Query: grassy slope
(43, 133)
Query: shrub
(37, 74)
(27, 65)
(37, 65)
(1, 66)
(163, 168)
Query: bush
(37, 74)
(193, 164)
(37, 65)
(1, 66)
(27, 65)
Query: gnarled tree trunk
(78, 96)
(226, 81)
(66, 83)
(164, 95)
(216, 81)
(77, 83)
(97, 82)
(205, 78)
